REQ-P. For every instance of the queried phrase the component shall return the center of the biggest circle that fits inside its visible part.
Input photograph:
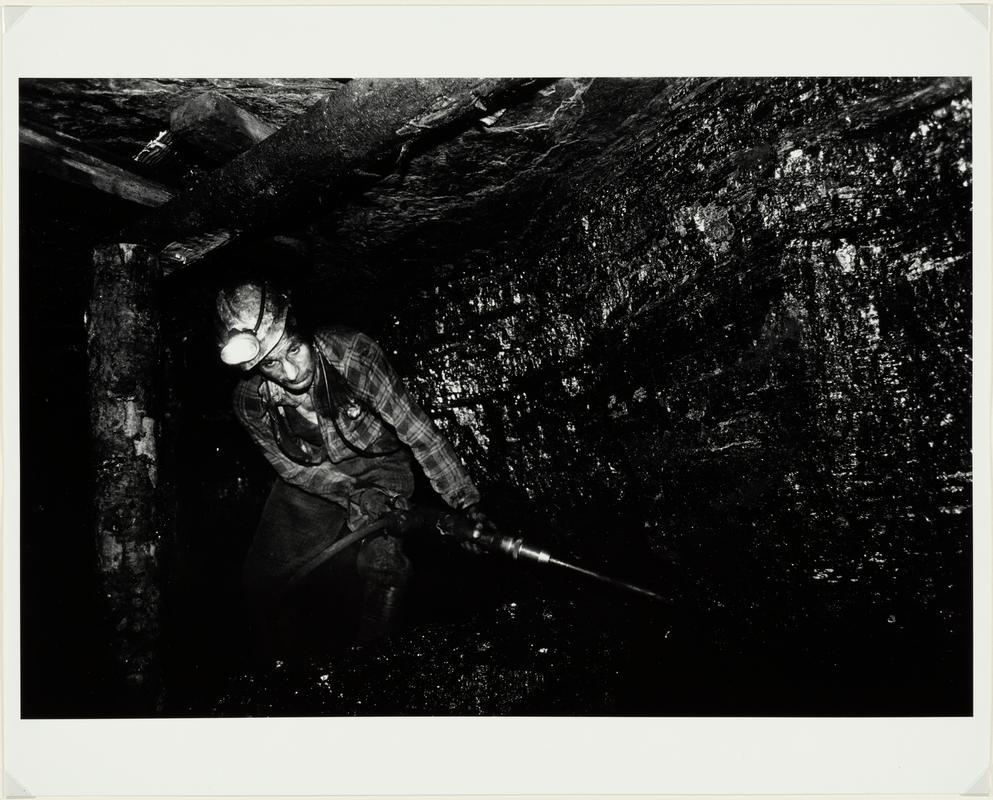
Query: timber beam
(68, 159)
(367, 124)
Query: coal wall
(734, 345)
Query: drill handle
(458, 527)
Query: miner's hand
(481, 523)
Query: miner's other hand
(376, 503)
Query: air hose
(455, 526)
(336, 547)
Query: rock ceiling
(474, 189)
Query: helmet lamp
(240, 347)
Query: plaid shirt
(379, 411)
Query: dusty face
(290, 364)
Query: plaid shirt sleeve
(370, 373)
(321, 479)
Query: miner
(333, 419)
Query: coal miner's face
(290, 364)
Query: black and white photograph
(527, 397)
(508, 396)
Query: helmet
(251, 319)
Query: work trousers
(355, 597)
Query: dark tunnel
(712, 337)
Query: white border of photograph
(444, 756)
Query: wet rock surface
(738, 339)
(484, 665)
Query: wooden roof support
(123, 343)
(367, 122)
(70, 160)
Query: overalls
(356, 596)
